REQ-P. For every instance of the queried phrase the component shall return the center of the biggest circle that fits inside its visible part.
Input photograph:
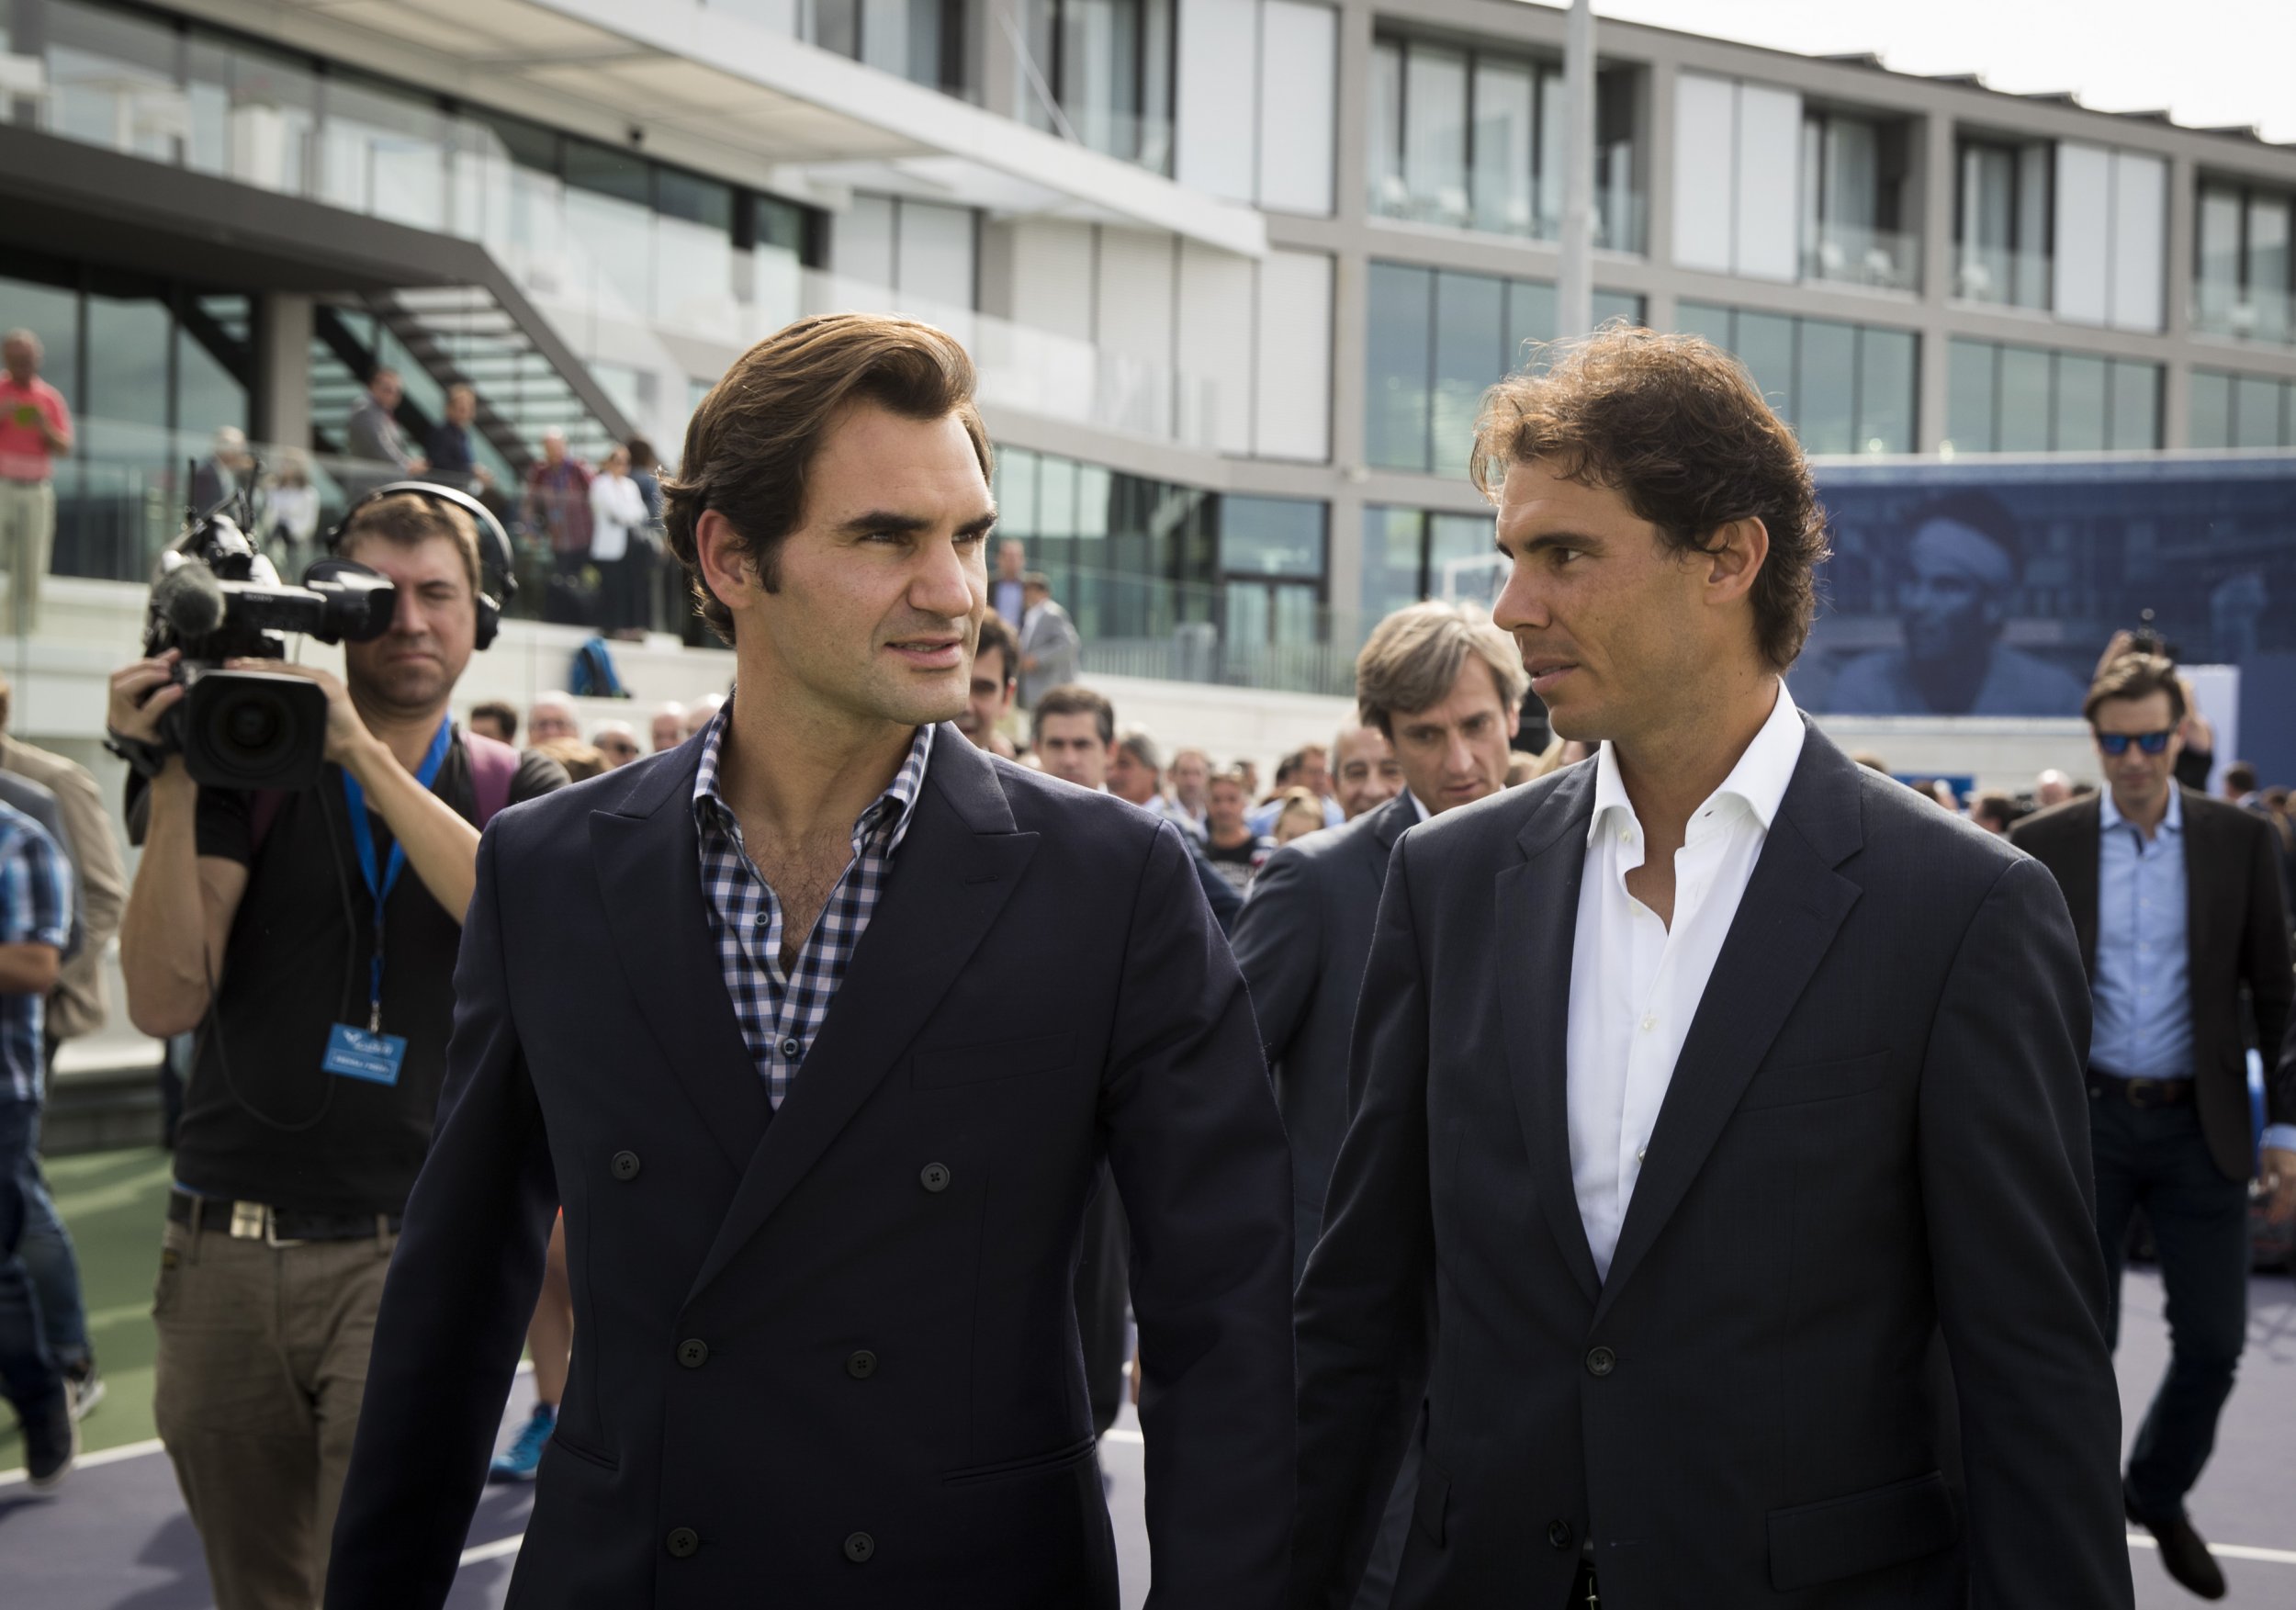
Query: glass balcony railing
(2002, 277)
(1887, 259)
(2246, 312)
(1620, 216)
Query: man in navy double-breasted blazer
(820, 1027)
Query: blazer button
(1601, 1361)
(626, 1166)
(683, 1542)
(693, 1352)
(860, 1547)
(935, 1177)
(861, 1365)
(1558, 1535)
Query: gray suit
(1051, 638)
(1876, 1131)
(1303, 941)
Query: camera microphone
(189, 599)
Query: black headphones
(496, 566)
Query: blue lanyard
(363, 840)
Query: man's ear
(719, 557)
(1735, 556)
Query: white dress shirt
(617, 508)
(1634, 983)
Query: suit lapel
(1380, 832)
(1793, 906)
(955, 870)
(647, 858)
(2198, 848)
(2084, 877)
(1537, 922)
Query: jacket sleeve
(1200, 1161)
(2009, 1203)
(461, 1290)
(2265, 967)
(103, 891)
(1279, 944)
(1365, 1304)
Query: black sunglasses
(2116, 744)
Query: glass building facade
(1473, 139)
(2242, 268)
(2005, 399)
(1437, 341)
(1844, 388)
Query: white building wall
(1215, 100)
(1292, 402)
(1299, 85)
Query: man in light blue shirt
(2176, 898)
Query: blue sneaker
(519, 1461)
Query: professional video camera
(217, 597)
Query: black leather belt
(2141, 1093)
(259, 1221)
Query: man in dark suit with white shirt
(821, 1224)
(1696, 1091)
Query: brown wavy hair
(1677, 427)
(753, 441)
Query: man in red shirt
(35, 426)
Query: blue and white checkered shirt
(36, 909)
(781, 1012)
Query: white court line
(2229, 1550)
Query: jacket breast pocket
(944, 1066)
(1839, 1537)
(1815, 1081)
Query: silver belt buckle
(248, 1221)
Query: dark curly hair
(751, 443)
(1677, 427)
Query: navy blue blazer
(1877, 1132)
(828, 1355)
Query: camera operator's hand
(346, 735)
(140, 694)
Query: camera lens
(251, 724)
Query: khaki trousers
(261, 1362)
(27, 537)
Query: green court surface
(113, 1202)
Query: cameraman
(252, 920)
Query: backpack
(594, 676)
(494, 767)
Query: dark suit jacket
(829, 1354)
(2236, 936)
(1876, 1128)
(1303, 941)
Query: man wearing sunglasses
(2176, 900)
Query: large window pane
(1705, 319)
(1391, 543)
(2216, 288)
(2135, 423)
(1825, 386)
(1435, 133)
(1765, 344)
(2024, 423)
(1016, 493)
(2267, 266)
(2080, 403)
(1271, 537)
(52, 313)
(2255, 412)
(1462, 557)
(1397, 355)
(1503, 111)
(1609, 305)
(384, 154)
(1470, 323)
(2211, 408)
(610, 256)
(1530, 319)
(111, 81)
(1887, 364)
(208, 394)
(1970, 395)
(1389, 195)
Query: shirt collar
(900, 795)
(1418, 805)
(1758, 782)
(2108, 814)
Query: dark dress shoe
(2182, 1553)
